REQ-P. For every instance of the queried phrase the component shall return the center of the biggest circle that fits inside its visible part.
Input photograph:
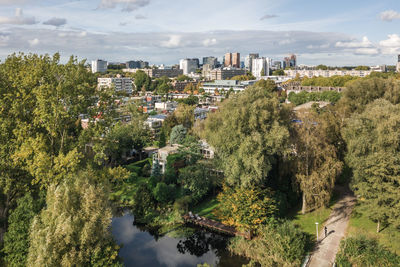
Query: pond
(184, 246)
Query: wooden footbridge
(213, 225)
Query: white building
(248, 62)
(259, 65)
(99, 66)
(327, 73)
(120, 84)
(168, 106)
(188, 65)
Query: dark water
(188, 247)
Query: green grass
(307, 221)
(206, 207)
(360, 224)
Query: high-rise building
(260, 67)
(99, 66)
(236, 60)
(212, 61)
(248, 61)
(232, 60)
(290, 61)
(189, 65)
(228, 60)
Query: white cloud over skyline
(165, 31)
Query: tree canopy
(249, 131)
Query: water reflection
(141, 248)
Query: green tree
(16, 239)
(279, 72)
(162, 139)
(141, 80)
(281, 244)
(73, 229)
(185, 115)
(164, 193)
(183, 78)
(246, 208)
(317, 162)
(198, 179)
(41, 101)
(373, 145)
(361, 251)
(249, 132)
(178, 134)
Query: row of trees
(55, 176)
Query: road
(325, 252)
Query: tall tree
(73, 229)
(249, 131)
(16, 239)
(318, 165)
(373, 144)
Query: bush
(280, 244)
(361, 251)
(181, 204)
(164, 193)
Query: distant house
(206, 150)
(200, 113)
(163, 153)
(166, 106)
(155, 123)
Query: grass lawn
(307, 221)
(206, 207)
(360, 224)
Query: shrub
(361, 251)
(280, 244)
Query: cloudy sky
(340, 32)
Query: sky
(335, 33)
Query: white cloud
(389, 15)
(18, 19)
(365, 43)
(390, 45)
(126, 5)
(4, 38)
(138, 16)
(173, 42)
(367, 51)
(12, 2)
(34, 42)
(55, 22)
(157, 47)
(268, 16)
(209, 41)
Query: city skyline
(339, 33)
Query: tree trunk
(303, 209)
(378, 226)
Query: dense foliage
(246, 208)
(334, 81)
(73, 229)
(373, 145)
(304, 97)
(280, 244)
(361, 251)
(248, 132)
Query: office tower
(99, 66)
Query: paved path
(327, 247)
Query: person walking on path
(326, 231)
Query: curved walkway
(325, 252)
